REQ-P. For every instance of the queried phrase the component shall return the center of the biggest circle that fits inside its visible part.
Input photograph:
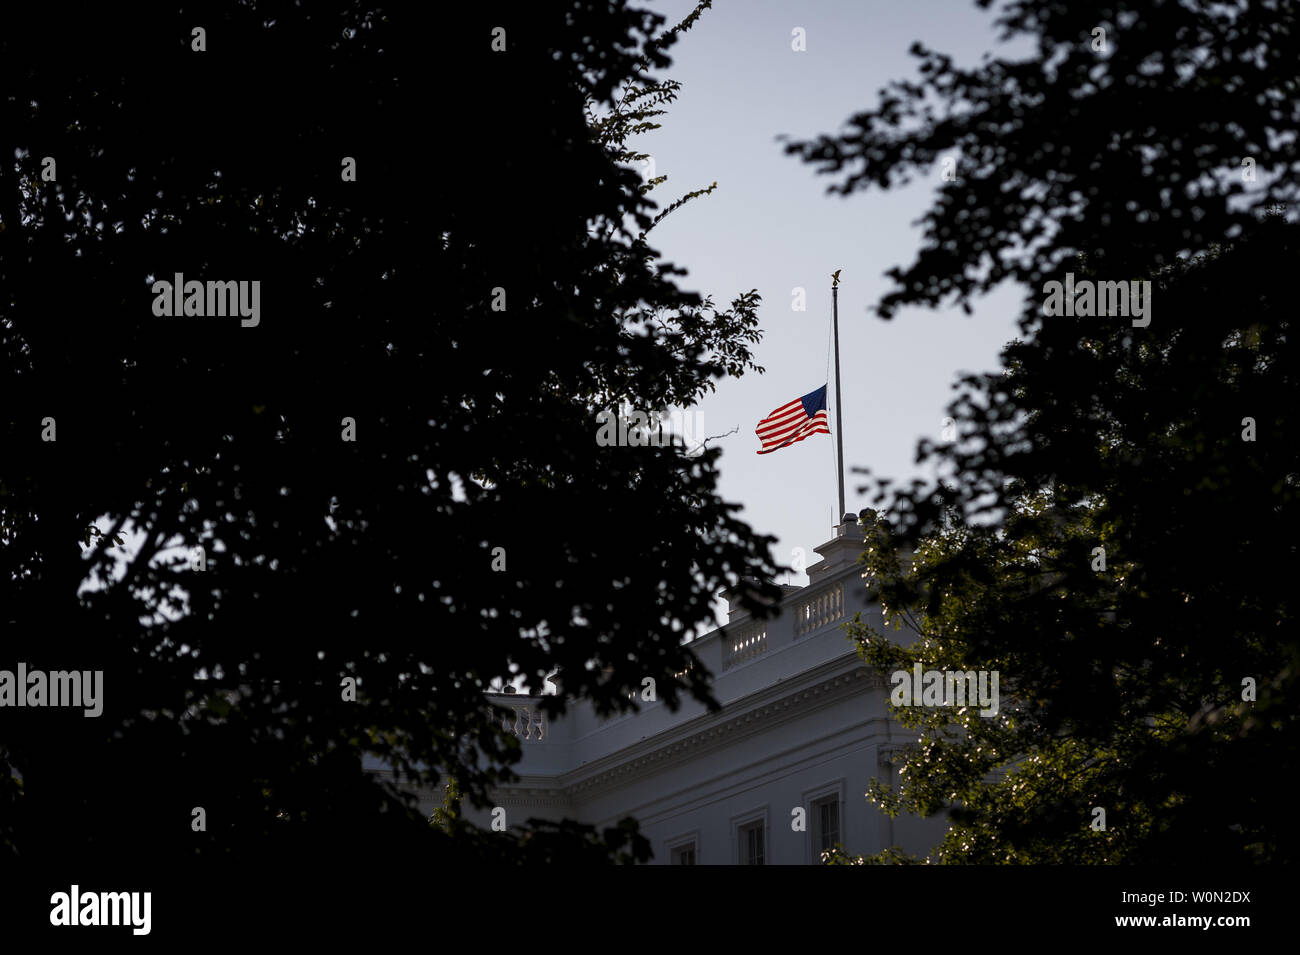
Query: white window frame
(744, 821)
(832, 790)
(687, 840)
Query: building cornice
(821, 686)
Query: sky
(771, 225)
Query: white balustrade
(528, 723)
(821, 609)
(744, 643)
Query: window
(825, 824)
(825, 804)
(749, 830)
(751, 844)
(684, 848)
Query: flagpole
(839, 420)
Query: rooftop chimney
(844, 548)
(732, 596)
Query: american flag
(794, 421)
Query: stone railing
(819, 610)
(743, 643)
(527, 722)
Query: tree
(1167, 444)
(391, 469)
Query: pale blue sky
(770, 225)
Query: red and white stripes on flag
(794, 421)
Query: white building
(804, 725)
